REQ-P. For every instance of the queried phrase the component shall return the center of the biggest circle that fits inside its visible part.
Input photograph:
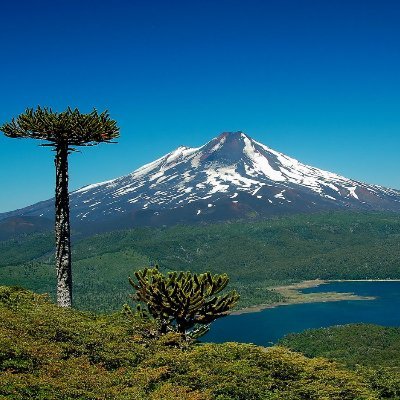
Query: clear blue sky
(318, 80)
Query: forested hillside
(355, 344)
(372, 350)
(255, 255)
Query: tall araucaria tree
(63, 132)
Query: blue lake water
(268, 326)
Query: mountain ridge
(232, 176)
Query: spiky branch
(183, 301)
(69, 126)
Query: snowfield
(230, 170)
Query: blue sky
(318, 80)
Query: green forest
(370, 350)
(256, 255)
(355, 344)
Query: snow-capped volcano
(230, 176)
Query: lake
(268, 326)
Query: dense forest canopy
(255, 255)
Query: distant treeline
(257, 255)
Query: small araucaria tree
(63, 132)
(183, 302)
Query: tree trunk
(62, 228)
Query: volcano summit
(230, 177)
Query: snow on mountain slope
(230, 176)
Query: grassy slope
(52, 353)
(255, 255)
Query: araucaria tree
(63, 132)
(183, 302)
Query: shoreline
(293, 295)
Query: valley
(257, 256)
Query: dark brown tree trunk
(62, 228)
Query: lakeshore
(293, 294)
(267, 325)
